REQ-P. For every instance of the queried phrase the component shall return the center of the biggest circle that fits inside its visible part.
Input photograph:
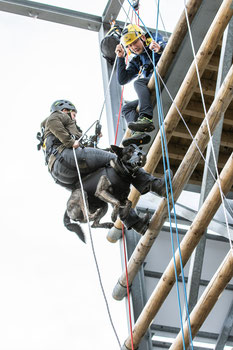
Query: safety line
(196, 144)
(173, 203)
(164, 145)
(110, 79)
(107, 90)
(167, 195)
(123, 235)
(181, 262)
(93, 249)
(127, 284)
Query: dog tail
(74, 227)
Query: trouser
(89, 160)
(129, 110)
(144, 97)
(132, 219)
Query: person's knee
(125, 109)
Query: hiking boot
(142, 124)
(142, 225)
(158, 185)
(137, 138)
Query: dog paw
(115, 212)
(124, 210)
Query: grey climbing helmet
(59, 105)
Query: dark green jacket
(64, 128)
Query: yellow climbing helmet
(131, 33)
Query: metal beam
(226, 330)
(112, 10)
(138, 293)
(52, 14)
(112, 97)
(164, 330)
(158, 275)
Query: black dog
(110, 184)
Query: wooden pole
(186, 90)
(187, 246)
(175, 41)
(206, 302)
(187, 166)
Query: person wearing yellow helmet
(141, 46)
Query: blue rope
(166, 160)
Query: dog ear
(74, 227)
(118, 150)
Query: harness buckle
(54, 151)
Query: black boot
(137, 138)
(142, 225)
(158, 185)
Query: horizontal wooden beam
(182, 132)
(195, 109)
(208, 87)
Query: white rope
(93, 249)
(110, 80)
(207, 122)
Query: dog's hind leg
(124, 210)
(102, 211)
(103, 192)
(76, 207)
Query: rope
(93, 249)
(128, 292)
(164, 145)
(107, 90)
(123, 235)
(165, 150)
(198, 148)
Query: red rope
(123, 235)
(119, 114)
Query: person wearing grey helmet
(62, 135)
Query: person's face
(137, 46)
(72, 113)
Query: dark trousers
(144, 102)
(89, 160)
